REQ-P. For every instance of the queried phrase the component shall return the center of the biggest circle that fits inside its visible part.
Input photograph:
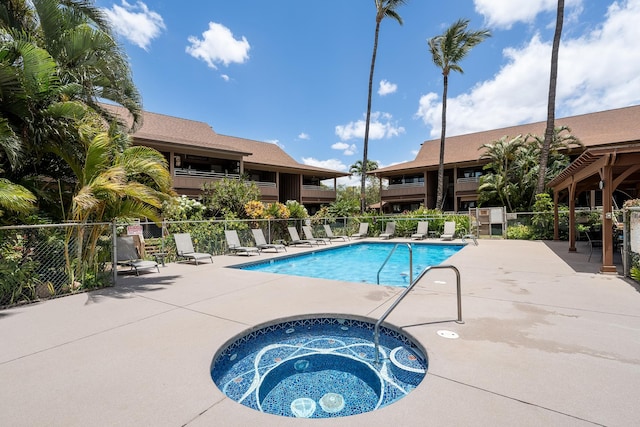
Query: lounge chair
(296, 240)
(308, 234)
(127, 255)
(330, 235)
(362, 231)
(389, 231)
(449, 230)
(422, 231)
(184, 247)
(235, 247)
(261, 242)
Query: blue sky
(295, 73)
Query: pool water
(360, 262)
(318, 368)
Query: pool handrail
(376, 329)
(389, 256)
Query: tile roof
(616, 126)
(268, 154)
(160, 128)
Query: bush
(520, 232)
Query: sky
(296, 73)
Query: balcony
(194, 178)
(316, 193)
(467, 185)
(410, 189)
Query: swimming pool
(359, 262)
(318, 368)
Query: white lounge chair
(296, 240)
(235, 247)
(362, 231)
(127, 255)
(308, 234)
(261, 242)
(330, 235)
(449, 230)
(422, 231)
(389, 231)
(184, 247)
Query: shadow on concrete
(579, 260)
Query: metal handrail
(389, 256)
(376, 329)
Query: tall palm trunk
(551, 103)
(441, 190)
(365, 148)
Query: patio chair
(235, 247)
(389, 231)
(127, 255)
(422, 231)
(593, 243)
(184, 247)
(296, 240)
(449, 230)
(308, 234)
(330, 235)
(362, 231)
(261, 242)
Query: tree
(447, 50)
(229, 196)
(357, 169)
(514, 166)
(57, 59)
(551, 102)
(384, 8)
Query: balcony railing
(469, 179)
(317, 188)
(204, 174)
(405, 185)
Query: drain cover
(448, 334)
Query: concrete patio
(547, 341)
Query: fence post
(114, 246)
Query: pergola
(606, 169)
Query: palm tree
(111, 184)
(78, 36)
(356, 168)
(447, 50)
(384, 8)
(551, 102)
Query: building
(414, 183)
(197, 154)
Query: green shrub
(520, 232)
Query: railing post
(376, 329)
(114, 252)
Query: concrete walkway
(546, 342)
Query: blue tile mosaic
(318, 368)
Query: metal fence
(45, 261)
(38, 262)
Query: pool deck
(547, 341)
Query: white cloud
(386, 88)
(380, 126)
(597, 71)
(304, 136)
(505, 13)
(218, 46)
(225, 77)
(348, 149)
(135, 23)
(333, 164)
